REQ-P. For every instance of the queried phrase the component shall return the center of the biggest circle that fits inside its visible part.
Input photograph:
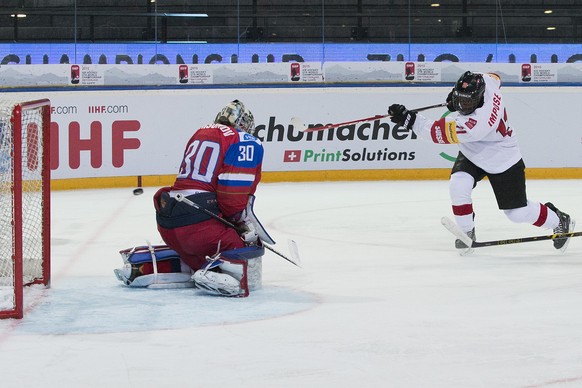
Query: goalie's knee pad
(235, 273)
(153, 267)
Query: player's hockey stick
(297, 123)
(292, 244)
(452, 227)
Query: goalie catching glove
(248, 225)
(399, 115)
(245, 227)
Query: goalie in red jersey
(219, 172)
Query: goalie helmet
(237, 115)
(468, 93)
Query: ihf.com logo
(347, 155)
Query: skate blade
(572, 225)
(466, 251)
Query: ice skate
(566, 225)
(461, 245)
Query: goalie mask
(468, 93)
(237, 115)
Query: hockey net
(24, 201)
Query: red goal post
(24, 201)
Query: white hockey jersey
(485, 136)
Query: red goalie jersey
(219, 171)
(221, 159)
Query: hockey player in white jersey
(488, 148)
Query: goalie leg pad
(253, 271)
(218, 283)
(240, 273)
(143, 254)
(141, 270)
(163, 280)
(127, 276)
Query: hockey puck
(138, 191)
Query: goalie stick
(292, 244)
(297, 123)
(452, 227)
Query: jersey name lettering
(226, 131)
(496, 103)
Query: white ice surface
(383, 298)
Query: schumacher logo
(375, 130)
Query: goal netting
(24, 201)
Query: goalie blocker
(233, 273)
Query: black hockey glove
(401, 116)
(450, 105)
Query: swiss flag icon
(292, 156)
